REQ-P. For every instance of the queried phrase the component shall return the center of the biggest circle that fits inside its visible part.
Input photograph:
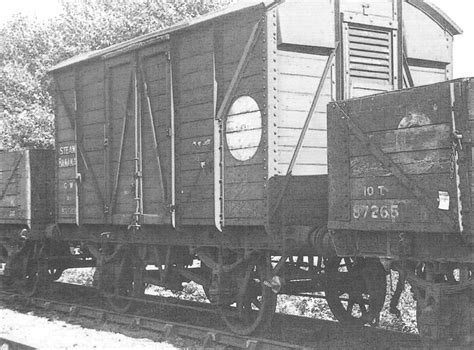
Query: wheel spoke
(350, 306)
(255, 302)
(363, 285)
(124, 272)
(363, 306)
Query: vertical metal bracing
(156, 148)
(138, 152)
(28, 188)
(455, 158)
(107, 142)
(218, 155)
(339, 76)
(405, 78)
(173, 146)
(113, 198)
(76, 138)
(404, 67)
(140, 139)
(400, 49)
(397, 46)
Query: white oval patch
(244, 128)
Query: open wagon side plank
(389, 164)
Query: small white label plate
(443, 199)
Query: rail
(7, 344)
(207, 336)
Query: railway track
(8, 344)
(207, 337)
(171, 317)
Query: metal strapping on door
(172, 134)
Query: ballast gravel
(44, 333)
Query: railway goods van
(206, 152)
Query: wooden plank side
(196, 210)
(196, 94)
(300, 64)
(288, 137)
(244, 209)
(192, 57)
(194, 43)
(193, 177)
(297, 18)
(156, 163)
(423, 152)
(385, 112)
(199, 145)
(66, 148)
(13, 190)
(469, 105)
(296, 120)
(42, 186)
(303, 169)
(301, 102)
(92, 73)
(197, 112)
(389, 187)
(428, 75)
(307, 155)
(233, 41)
(423, 36)
(429, 137)
(390, 211)
(196, 130)
(303, 84)
(418, 162)
(228, 69)
(299, 76)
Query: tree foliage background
(29, 47)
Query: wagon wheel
(355, 289)
(122, 278)
(254, 303)
(34, 272)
